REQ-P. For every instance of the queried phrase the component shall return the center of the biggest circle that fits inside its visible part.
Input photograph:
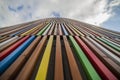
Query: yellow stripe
(78, 31)
(29, 31)
(42, 71)
(73, 30)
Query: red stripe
(6, 52)
(91, 32)
(104, 72)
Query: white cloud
(114, 3)
(91, 11)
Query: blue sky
(104, 13)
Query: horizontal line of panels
(58, 27)
(59, 57)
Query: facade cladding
(59, 49)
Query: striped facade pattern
(59, 49)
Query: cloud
(90, 11)
(20, 7)
(15, 9)
(55, 14)
(113, 23)
(11, 9)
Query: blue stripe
(64, 30)
(5, 63)
(23, 30)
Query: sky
(104, 13)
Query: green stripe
(41, 31)
(110, 44)
(87, 66)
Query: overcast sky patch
(97, 12)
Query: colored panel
(59, 75)
(68, 29)
(16, 66)
(104, 58)
(73, 30)
(52, 28)
(4, 64)
(55, 29)
(31, 30)
(66, 33)
(107, 52)
(77, 31)
(8, 51)
(7, 41)
(110, 44)
(23, 30)
(41, 31)
(60, 30)
(99, 66)
(72, 63)
(42, 71)
(46, 31)
(88, 68)
(28, 69)
(3, 47)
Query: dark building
(59, 49)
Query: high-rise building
(59, 49)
